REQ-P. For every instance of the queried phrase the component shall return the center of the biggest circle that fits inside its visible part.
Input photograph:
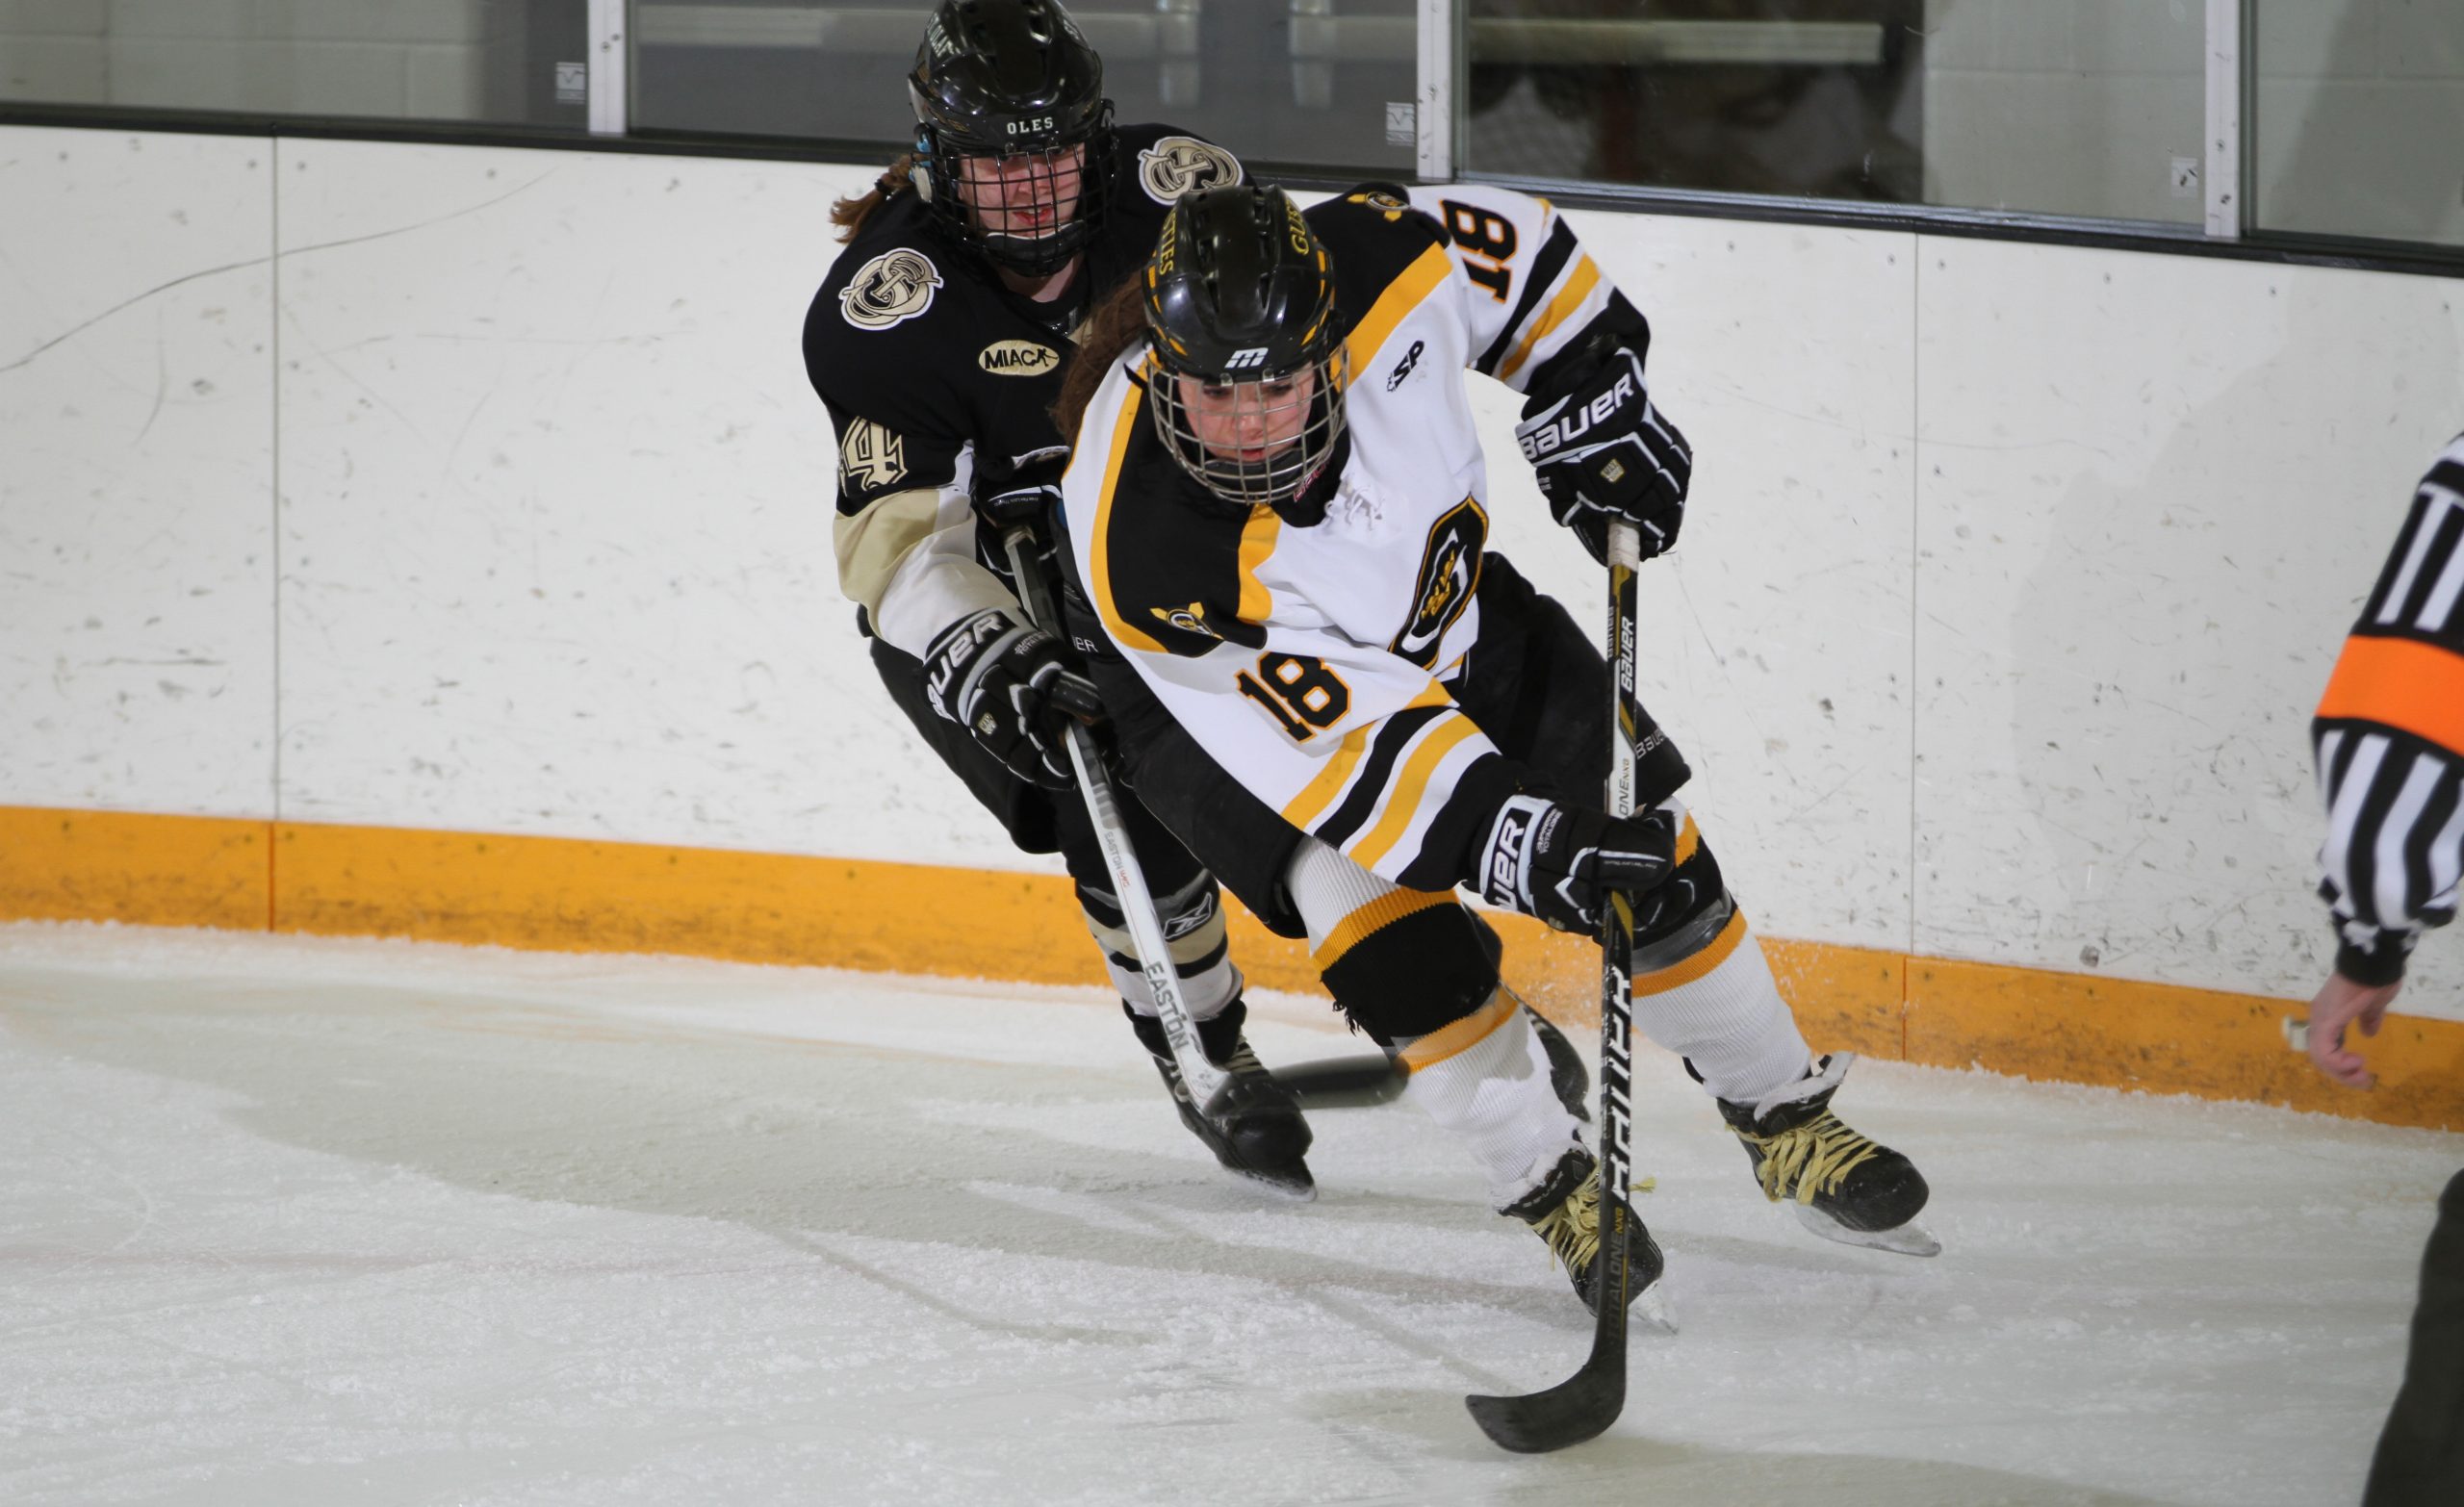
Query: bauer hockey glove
(1602, 451)
(1007, 683)
(1560, 862)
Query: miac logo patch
(893, 287)
(1450, 572)
(1176, 165)
(1017, 358)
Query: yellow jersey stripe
(1687, 840)
(1383, 912)
(1678, 975)
(1462, 1035)
(1578, 287)
(1402, 296)
(1411, 784)
(1319, 793)
(1124, 426)
(1322, 792)
(1257, 541)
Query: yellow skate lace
(1572, 1228)
(1809, 1160)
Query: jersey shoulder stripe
(1389, 258)
(1170, 578)
(1554, 253)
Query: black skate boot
(1260, 1132)
(1842, 1186)
(1564, 1211)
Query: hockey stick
(1199, 1075)
(1584, 1404)
(1327, 1083)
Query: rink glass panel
(1303, 82)
(2359, 117)
(508, 63)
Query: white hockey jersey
(1313, 661)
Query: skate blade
(1908, 1240)
(1298, 1187)
(1650, 1311)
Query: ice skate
(1259, 1131)
(1842, 1186)
(1564, 1211)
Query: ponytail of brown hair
(850, 213)
(1109, 327)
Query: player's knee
(1685, 914)
(1408, 963)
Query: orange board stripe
(572, 895)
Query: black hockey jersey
(1311, 652)
(933, 370)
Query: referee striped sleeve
(2389, 741)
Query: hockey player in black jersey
(1278, 512)
(937, 343)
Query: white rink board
(556, 504)
(555, 515)
(136, 668)
(2154, 490)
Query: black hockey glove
(1602, 451)
(1023, 488)
(1560, 862)
(1007, 683)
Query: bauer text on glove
(1603, 450)
(1560, 862)
(1008, 684)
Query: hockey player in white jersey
(1278, 518)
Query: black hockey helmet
(1013, 80)
(1241, 302)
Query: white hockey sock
(1484, 1080)
(1720, 1010)
(1329, 889)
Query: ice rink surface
(328, 1222)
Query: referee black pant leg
(2420, 1461)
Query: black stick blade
(1581, 1407)
(1344, 1083)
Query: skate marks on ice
(564, 1230)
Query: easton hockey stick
(1333, 1083)
(1199, 1073)
(1584, 1404)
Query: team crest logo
(1450, 572)
(1178, 165)
(1191, 619)
(870, 458)
(1392, 206)
(893, 287)
(1017, 358)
